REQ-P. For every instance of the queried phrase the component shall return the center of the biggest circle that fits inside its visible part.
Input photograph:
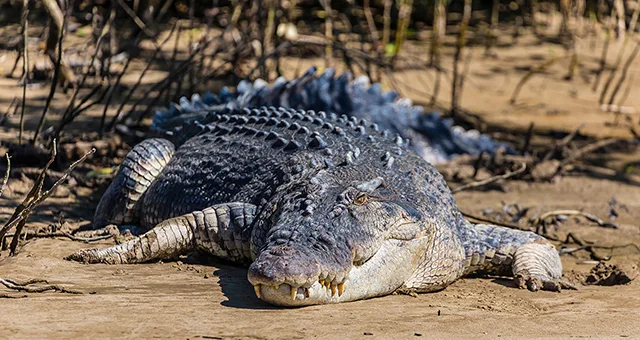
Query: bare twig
(161, 85)
(386, 22)
(462, 39)
(527, 139)
(605, 51)
(136, 19)
(404, 17)
(624, 73)
(328, 33)
(562, 143)
(588, 216)
(538, 69)
(4, 117)
(626, 38)
(29, 235)
(57, 24)
(6, 174)
(8, 296)
(490, 180)
(25, 68)
(56, 72)
(372, 26)
(588, 149)
(25, 286)
(488, 220)
(35, 197)
(142, 74)
(439, 30)
(98, 45)
(603, 172)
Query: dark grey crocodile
(323, 208)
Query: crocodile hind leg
(138, 170)
(223, 230)
(531, 259)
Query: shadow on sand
(237, 289)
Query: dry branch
(538, 69)
(624, 73)
(462, 39)
(25, 286)
(58, 20)
(25, 68)
(499, 223)
(590, 217)
(490, 180)
(54, 12)
(35, 197)
(6, 175)
(33, 234)
(587, 149)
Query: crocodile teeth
(276, 287)
(306, 292)
(333, 289)
(321, 282)
(327, 284)
(340, 289)
(257, 290)
(294, 292)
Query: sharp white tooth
(257, 290)
(294, 292)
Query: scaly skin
(324, 209)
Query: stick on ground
(26, 286)
(490, 180)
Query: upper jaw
(386, 271)
(288, 279)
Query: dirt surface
(211, 299)
(176, 300)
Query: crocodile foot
(537, 266)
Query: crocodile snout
(298, 271)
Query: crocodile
(322, 208)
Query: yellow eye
(362, 199)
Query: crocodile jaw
(384, 273)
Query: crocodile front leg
(531, 259)
(223, 230)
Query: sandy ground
(182, 300)
(212, 299)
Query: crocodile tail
(434, 138)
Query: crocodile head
(345, 234)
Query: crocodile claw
(535, 284)
(537, 266)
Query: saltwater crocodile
(322, 208)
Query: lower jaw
(384, 273)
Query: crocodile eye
(362, 199)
